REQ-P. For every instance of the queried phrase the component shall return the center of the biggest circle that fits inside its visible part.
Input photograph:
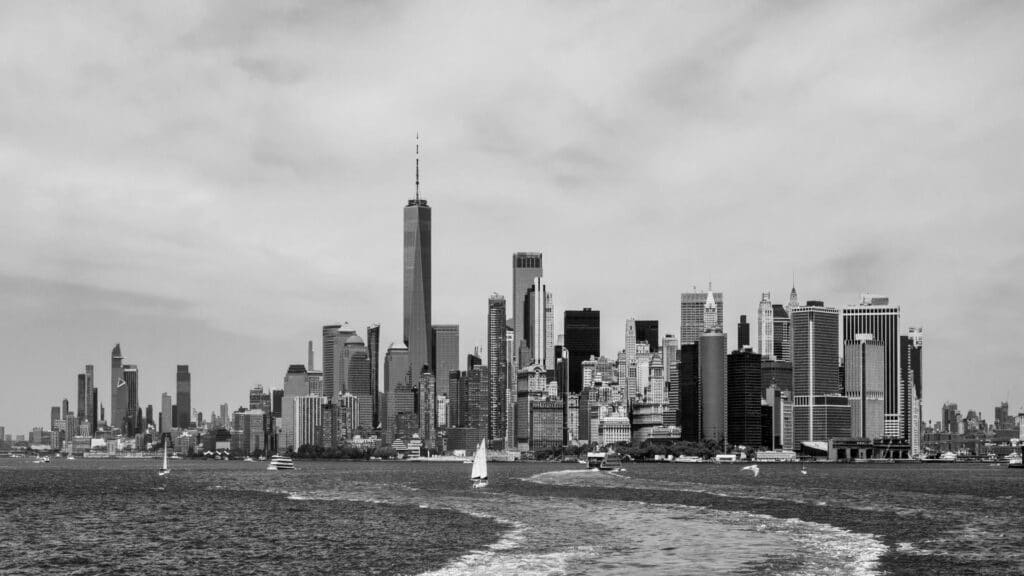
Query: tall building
(712, 318)
(875, 316)
(397, 391)
(911, 376)
(691, 314)
(356, 379)
(820, 412)
(743, 415)
(670, 358)
(647, 331)
(742, 333)
(711, 357)
(536, 326)
(330, 341)
(118, 389)
(630, 348)
(950, 417)
(765, 327)
(417, 281)
(549, 331)
(446, 359)
(373, 349)
(782, 333)
(582, 340)
(184, 397)
(166, 412)
(307, 416)
(864, 363)
(497, 367)
(86, 404)
(133, 421)
(526, 267)
(295, 386)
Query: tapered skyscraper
(118, 388)
(416, 329)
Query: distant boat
(247, 459)
(1016, 461)
(594, 459)
(166, 469)
(71, 457)
(280, 463)
(753, 468)
(613, 462)
(479, 473)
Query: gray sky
(211, 183)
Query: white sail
(165, 454)
(480, 462)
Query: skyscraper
(373, 348)
(526, 266)
(357, 379)
(744, 398)
(497, 367)
(118, 390)
(536, 327)
(416, 286)
(295, 386)
(582, 340)
(446, 356)
(549, 331)
(397, 394)
(875, 316)
(166, 411)
(691, 314)
(184, 397)
(782, 333)
(647, 331)
(765, 327)
(911, 376)
(711, 357)
(820, 412)
(130, 377)
(742, 333)
(330, 333)
(865, 384)
(86, 407)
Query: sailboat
(165, 470)
(479, 474)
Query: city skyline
(231, 265)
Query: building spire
(417, 167)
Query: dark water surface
(208, 517)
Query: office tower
(222, 417)
(54, 417)
(295, 386)
(446, 355)
(875, 316)
(782, 333)
(307, 417)
(688, 417)
(743, 333)
(526, 267)
(309, 357)
(373, 349)
(743, 416)
(354, 377)
(86, 391)
(118, 391)
(166, 412)
(911, 376)
(247, 435)
(478, 401)
(537, 301)
(950, 417)
(864, 364)
(691, 314)
(511, 371)
(426, 405)
(396, 388)
(582, 340)
(712, 320)
(670, 359)
(149, 417)
(820, 412)
(776, 373)
(458, 396)
(416, 281)
(497, 365)
(130, 377)
(630, 348)
(765, 327)
(712, 350)
(549, 331)
(330, 338)
(184, 397)
(1002, 414)
(647, 331)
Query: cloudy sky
(209, 183)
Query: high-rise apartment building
(820, 412)
(330, 341)
(184, 397)
(416, 326)
(582, 340)
(497, 364)
(691, 314)
(766, 327)
(864, 364)
(526, 268)
(307, 417)
(874, 315)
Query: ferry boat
(280, 463)
(1016, 460)
(612, 461)
(594, 459)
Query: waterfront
(118, 517)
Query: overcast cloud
(210, 183)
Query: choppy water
(118, 517)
